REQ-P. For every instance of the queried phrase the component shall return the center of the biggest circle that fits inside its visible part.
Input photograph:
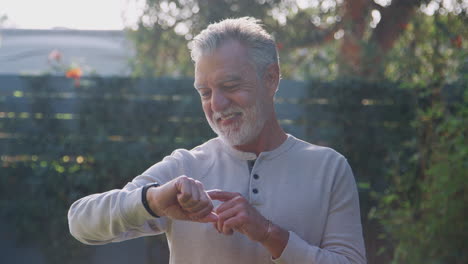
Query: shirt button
(255, 190)
(256, 176)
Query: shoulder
(195, 162)
(329, 164)
(203, 152)
(185, 162)
(303, 149)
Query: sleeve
(119, 215)
(342, 241)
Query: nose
(219, 102)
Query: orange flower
(74, 73)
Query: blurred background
(92, 93)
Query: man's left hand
(235, 213)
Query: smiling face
(233, 97)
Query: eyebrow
(229, 78)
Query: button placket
(255, 188)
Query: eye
(230, 86)
(204, 93)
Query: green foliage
(424, 210)
(431, 50)
(366, 121)
(166, 27)
(316, 39)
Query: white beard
(249, 127)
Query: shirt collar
(287, 144)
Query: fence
(59, 142)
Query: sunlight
(85, 14)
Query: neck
(271, 136)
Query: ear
(271, 78)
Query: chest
(294, 197)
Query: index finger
(221, 195)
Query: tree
(353, 35)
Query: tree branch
(394, 20)
(355, 15)
(374, 5)
(301, 32)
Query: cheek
(243, 99)
(207, 108)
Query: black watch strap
(143, 198)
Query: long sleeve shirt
(303, 188)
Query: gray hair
(260, 45)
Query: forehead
(228, 61)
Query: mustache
(230, 111)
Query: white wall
(25, 51)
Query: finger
(228, 232)
(222, 195)
(210, 218)
(195, 215)
(204, 211)
(238, 200)
(234, 223)
(200, 205)
(188, 197)
(185, 191)
(205, 201)
(200, 199)
(200, 193)
(224, 216)
(194, 196)
(215, 226)
(204, 205)
(195, 191)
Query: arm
(119, 215)
(113, 216)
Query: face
(233, 97)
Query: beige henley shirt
(305, 189)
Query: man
(252, 195)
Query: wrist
(276, 241)
(267, 232)
(147, 197)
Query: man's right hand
(183, 199)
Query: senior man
(252, 195)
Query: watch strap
(145, 201)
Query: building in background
(26, 51)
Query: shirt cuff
(296, 251)
(132, 208)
